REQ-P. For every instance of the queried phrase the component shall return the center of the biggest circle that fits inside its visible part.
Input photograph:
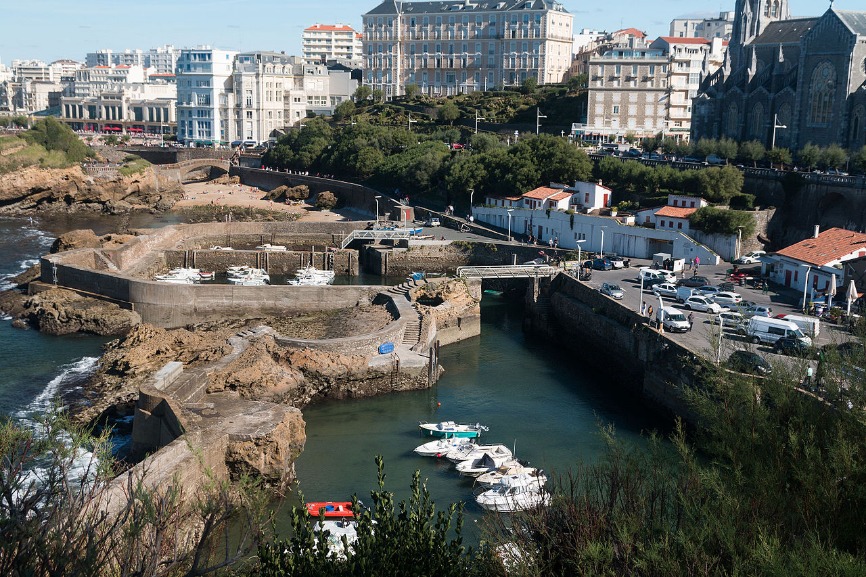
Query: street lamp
(471, 194)
(579, 242)
(739, 240)
(509, 211)
(477, 118)
(538, 117)
(516, 134)
(377, 197)
(601, 248)
(775, 126)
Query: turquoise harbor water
(533, 395)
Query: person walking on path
(643, 309)
(691, 263)
(691, 319)
(765, 287)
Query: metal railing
(506, 271)
(375, 235)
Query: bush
(743, 201)
(54, 135)
(720, 221)
(326, 200)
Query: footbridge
(179, 170)
(375, 235)
(506, 271)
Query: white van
(672, 319)
(684, 292)
(648, 274)
(768, 331)
(810, 326)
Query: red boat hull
(333, 509)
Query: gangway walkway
(506, 271)
(376, 235)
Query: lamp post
(775, 126)
(601, 248)
(471, 194)
(579, 260)
(538, 117)
(509, 211)
(410, 122)
(477, 118)
(377, 197)
(516, 134)
(739, 240)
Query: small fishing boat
(510, 469)
(448, 429)
(179, 276)
(312, 276)
(508, 496)
(336, 530)
(441, 447)
(475, 451)
(218, 247)
(206, 275)
(483, 464)
(331, 509)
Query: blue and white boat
(449, 429)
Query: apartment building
(323, 43)
(163, 58)
(449, 47)
(205, 96)
(33, 85)
(708, 28)
(261, 80)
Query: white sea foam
(72, 372)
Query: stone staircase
(412, 334)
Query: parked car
(768, 330)
(758, 311)
(749, 362)
(693, 281)
(730, 319)
(708, 291)
(432, 221)
(751, 257)
(727, 298)
(665, 289)
(612, 290)
(617, 261)
(602, 264)
(693, 159)
(672, 319)
(715, 160)
(703, 304)
(793, 346)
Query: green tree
(378, 96)
(362, 94)
(752, 151)
(834, 156)
(484, 142)
(727, 148)
(779, 156)
(448, 112)
(412, 91)
(721, 221)
(809, 155)
(55, 135)
(720, 184)
(706, 147)
(858, 160)
(529, 86)
(577, 83)
(630, 138)
(344, 110)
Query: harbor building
(448, 48)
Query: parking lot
(703, 338)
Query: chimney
(600, 183)
(817, 230)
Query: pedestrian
(556, 242)
(808, 382)
(691, 319)
(643, 309)
(765, 287)
(550, 242)
(691, 263)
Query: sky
(52, 29)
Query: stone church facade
(806, 74)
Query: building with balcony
(453, 47)
(33, 86)
(205, 96)
(262, 81)
(323, 43)
(146, 108)
(708, 28)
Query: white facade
(262, 81)
(163, 59)
(451, 47)
(323, 43)
(598, 233)
(94, 81)
(589, 196)
(205, 96)
(135, 108)
(810, 264)
(720, 27)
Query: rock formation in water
(63, 312)
(70, 189)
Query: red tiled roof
(630, 32)
(831, 245)
(329, 28)
(675, 211)
(541, 193)
(560, 196)
(676, 40)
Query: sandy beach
(242, 196)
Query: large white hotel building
(462, 46)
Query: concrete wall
(341, 262)
(447, 257)
(366, 345)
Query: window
(616, 109)
(821, 92)
(662, 223)
(679, 225)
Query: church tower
(750, 19)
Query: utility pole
(538, 117)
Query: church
(787, 81)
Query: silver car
(730, 319)
(703, 304)
(612, 290)
(666, 289)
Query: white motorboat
(510, 469)
(508, 496)
(173, 279)
(179, 276)
(475, 451)
(483, 464)
(218, 247)
(271, 247)
(206, 275)
(247, 276)
(336, 531)
(448, 429)
(440, 447)
(312, 276)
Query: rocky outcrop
(69, 189)
(269, 456)
(62, 312)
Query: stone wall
(366, 345)
(344, 262)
